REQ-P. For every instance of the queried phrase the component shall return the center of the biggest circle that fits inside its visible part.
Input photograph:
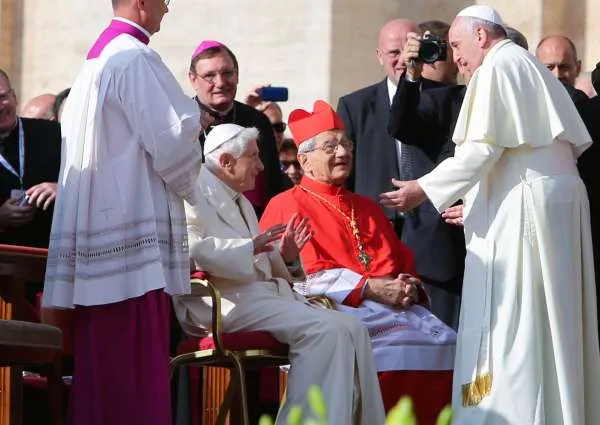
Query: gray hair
(307, 146)
(235, 147)
(517, 37)
(495, 30)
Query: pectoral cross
(364, 259)
(362, 254)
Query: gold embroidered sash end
(474, 392)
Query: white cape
(129, 157)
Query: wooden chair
(23, 340)
(237, 352)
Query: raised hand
(295, 237)
(263, 241)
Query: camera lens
(429, 51)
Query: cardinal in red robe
(356, 259)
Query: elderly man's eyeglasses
(279, 127)
(211, 77)
(5, 96)
(330, 147)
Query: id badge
(17, 193)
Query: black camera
(433, 49)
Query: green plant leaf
(402, 413)
(316, 401)
(265, 420)
(445, 416)
(295, 415)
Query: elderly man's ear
(302, 158)
(226, 161)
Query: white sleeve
(165, 120)
(455, 176)
(227, 258)
(334, 283)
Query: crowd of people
(449, 212)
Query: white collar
(133, 24)
(392, 87)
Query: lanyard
(7, 165)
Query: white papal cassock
(527, 350)
(128, 159)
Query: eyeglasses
(287, 164)
(330, 148)
(211, 77)
(279, 127)
(5, 96)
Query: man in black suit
(365, 114)
(214, 76)
(29, 167)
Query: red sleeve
(354, 298)
(272, 215)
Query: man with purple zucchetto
(118, 246)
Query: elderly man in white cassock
(253, 272)
(527, 348)
(118, 246)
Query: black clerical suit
(365, 114)
(42, 142)
(275, 181)
(424, 123)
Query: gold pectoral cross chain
(362, 256)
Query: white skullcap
(219, 135)
(482, 12)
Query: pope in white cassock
(527, 351)
(118, 245)
(326, 347)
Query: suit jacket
(425, 122)
(275, 181)
(365, 114)
(220, 241)
(42, 164)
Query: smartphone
(274, 94)
(24, 201)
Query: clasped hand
(293, 236)
(403, 291)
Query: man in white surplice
(118, 245)
(527, 349)
(327, 348)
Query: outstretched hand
(263, 241)
(296, 236)
(408, 196)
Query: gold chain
(362, 254)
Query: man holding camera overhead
(366, 112)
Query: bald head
(559, 55)
(41, 107)
(392, 39)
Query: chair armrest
(200, 286)
(321, 300)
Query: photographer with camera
(438, 64)
(423, 121)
